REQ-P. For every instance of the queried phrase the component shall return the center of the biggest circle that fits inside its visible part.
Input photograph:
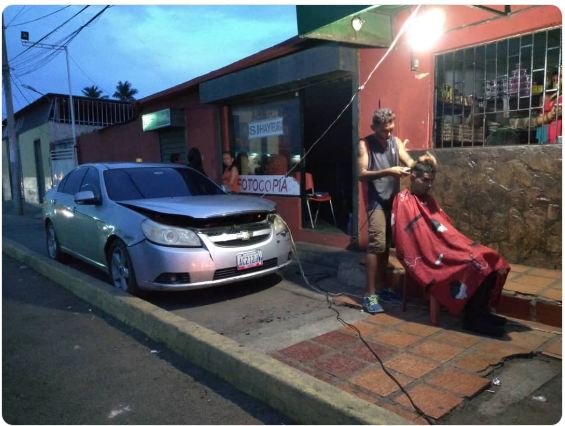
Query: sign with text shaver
(264, 128)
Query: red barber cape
(440, 257)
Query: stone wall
(508, 198)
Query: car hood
(204, 206)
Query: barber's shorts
(380, 232)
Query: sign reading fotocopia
(268, 184)
(264, 128)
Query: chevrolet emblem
(244, 235)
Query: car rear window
(157, 182)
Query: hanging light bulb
(357, 23)
(426, 30)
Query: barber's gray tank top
(381, 191)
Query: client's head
(423, 174)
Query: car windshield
(157, 182)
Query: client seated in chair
(462, 275)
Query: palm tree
(92, 92)
(124, 91)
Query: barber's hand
(399, 171)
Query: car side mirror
(86, 197)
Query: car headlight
(169, 235)
(279, 223)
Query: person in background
(463, 276)
(380, 155)
(550, 118)
(230, 178)
(175, 158)
(242, 163)
(195, 160)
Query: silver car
(162, 227)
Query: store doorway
(330, 161)
(171, 141)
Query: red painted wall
(291, 211)
(201, 127)
(410, 93)
(128, 142)
(124, 142)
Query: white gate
(62, 157)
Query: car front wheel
(122, 275)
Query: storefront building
(298, 107)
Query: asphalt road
(266, 314)
(63, 362)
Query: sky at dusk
(153, 47)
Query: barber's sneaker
(371, 304)
(387, 295)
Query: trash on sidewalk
(491, 391)
(496, 381)
(154, 351)
(539, 398)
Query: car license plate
(249, 259)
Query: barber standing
(380, 155)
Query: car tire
(120, 268)
(52, 243)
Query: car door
(87, 227)
(62, 205)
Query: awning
(359, 25)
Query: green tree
(92, 92)
(124, 91)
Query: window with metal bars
(506, 92)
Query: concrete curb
(303, 398)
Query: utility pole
(15, 164)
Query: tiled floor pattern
(439, 366)
(543, 283)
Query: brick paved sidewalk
(439, 366)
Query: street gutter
(301, 397)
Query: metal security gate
(172, 141)
(62, 155)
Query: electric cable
(19, 90)
(359, 89)
(331, 304)
(62, 43)
(15, 16)
(51, 32)
(83, 71)
(17, 87)
(37, 19)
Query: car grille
(233, 272)
(239, 235)
(242, 243)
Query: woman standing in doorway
(230, 178)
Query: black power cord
(331, 304)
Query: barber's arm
(403, 154)
(366, 175)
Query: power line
(37, 19)
(65, 41)
(19, 90)
(88, 23)
(15, 16)
(83, 71)
(47, 35)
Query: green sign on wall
(162, 119)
